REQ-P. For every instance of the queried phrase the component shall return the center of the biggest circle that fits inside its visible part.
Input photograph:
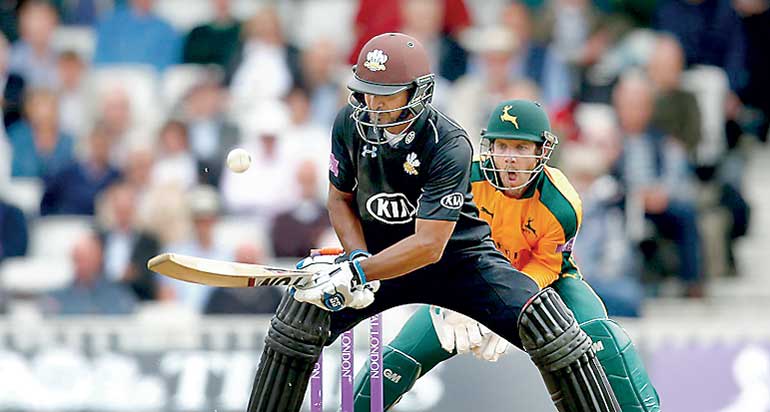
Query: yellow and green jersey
(536, 232)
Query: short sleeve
(341, 170)
(448, 184)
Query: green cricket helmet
(516, 120)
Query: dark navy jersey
(426, 175)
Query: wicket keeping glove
(492, 346)
(455, 330)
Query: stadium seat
(231, 231)
(178, 80)
(25, 193)
(184, 14)
(54, 236)
(338, 29)
(80, 39)
(33, 275)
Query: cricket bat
(224, 274)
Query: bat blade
(222, 273)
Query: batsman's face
(513, 158)
(385, 103)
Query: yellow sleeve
(545, 265)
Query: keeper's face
(513, 159)
(390, 105)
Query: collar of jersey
(416, 127)
(527, 193)
(533, 186)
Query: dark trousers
(679, 223)
(479, 283)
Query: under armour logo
(370, 151)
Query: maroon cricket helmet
(388, 64)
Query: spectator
(79, 12)
(570, 27)
(604, 251)
(204, 207)
(423, 20)
(13, 92)
(73, 105)
(710, 32)
(319, 76)
(175, 162)
(272, 165)
(654, 170)
(264, 73)
(115, 115)
(216, 42)
(475, 94)
(32, 56)
(137, 171)
(73, 189)
(537, 61)
(299, 229)
(9, 20)
(134, 34)
(91, 293)
(5, 148)
(261, 300)
(212, 134)
(13, 231)
(126, 247)
(304, 137)
(676, 110)
(39, 147)
(375, 17)
(5, 161)
(755, 15)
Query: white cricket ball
(238, 160)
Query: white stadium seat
(80, 39)
(25, 193)
(178, 80)
(54, 236)
(26, 275)
(184, 14)
(231, 231)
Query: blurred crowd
(117, 122)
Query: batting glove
(339, 285)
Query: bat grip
(326, 251)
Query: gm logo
(392, 376)
(453, 200)
(391, 208)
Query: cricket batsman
(400, 202)
(535, 215)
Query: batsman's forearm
(405, 256)
(347, 225)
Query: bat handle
(325, 251)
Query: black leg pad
(564, 355)
(296, 338)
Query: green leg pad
(400, 372)
(623, 366)
(613, 347)
(414, 352)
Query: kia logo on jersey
(453, 200)
(391, 208)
